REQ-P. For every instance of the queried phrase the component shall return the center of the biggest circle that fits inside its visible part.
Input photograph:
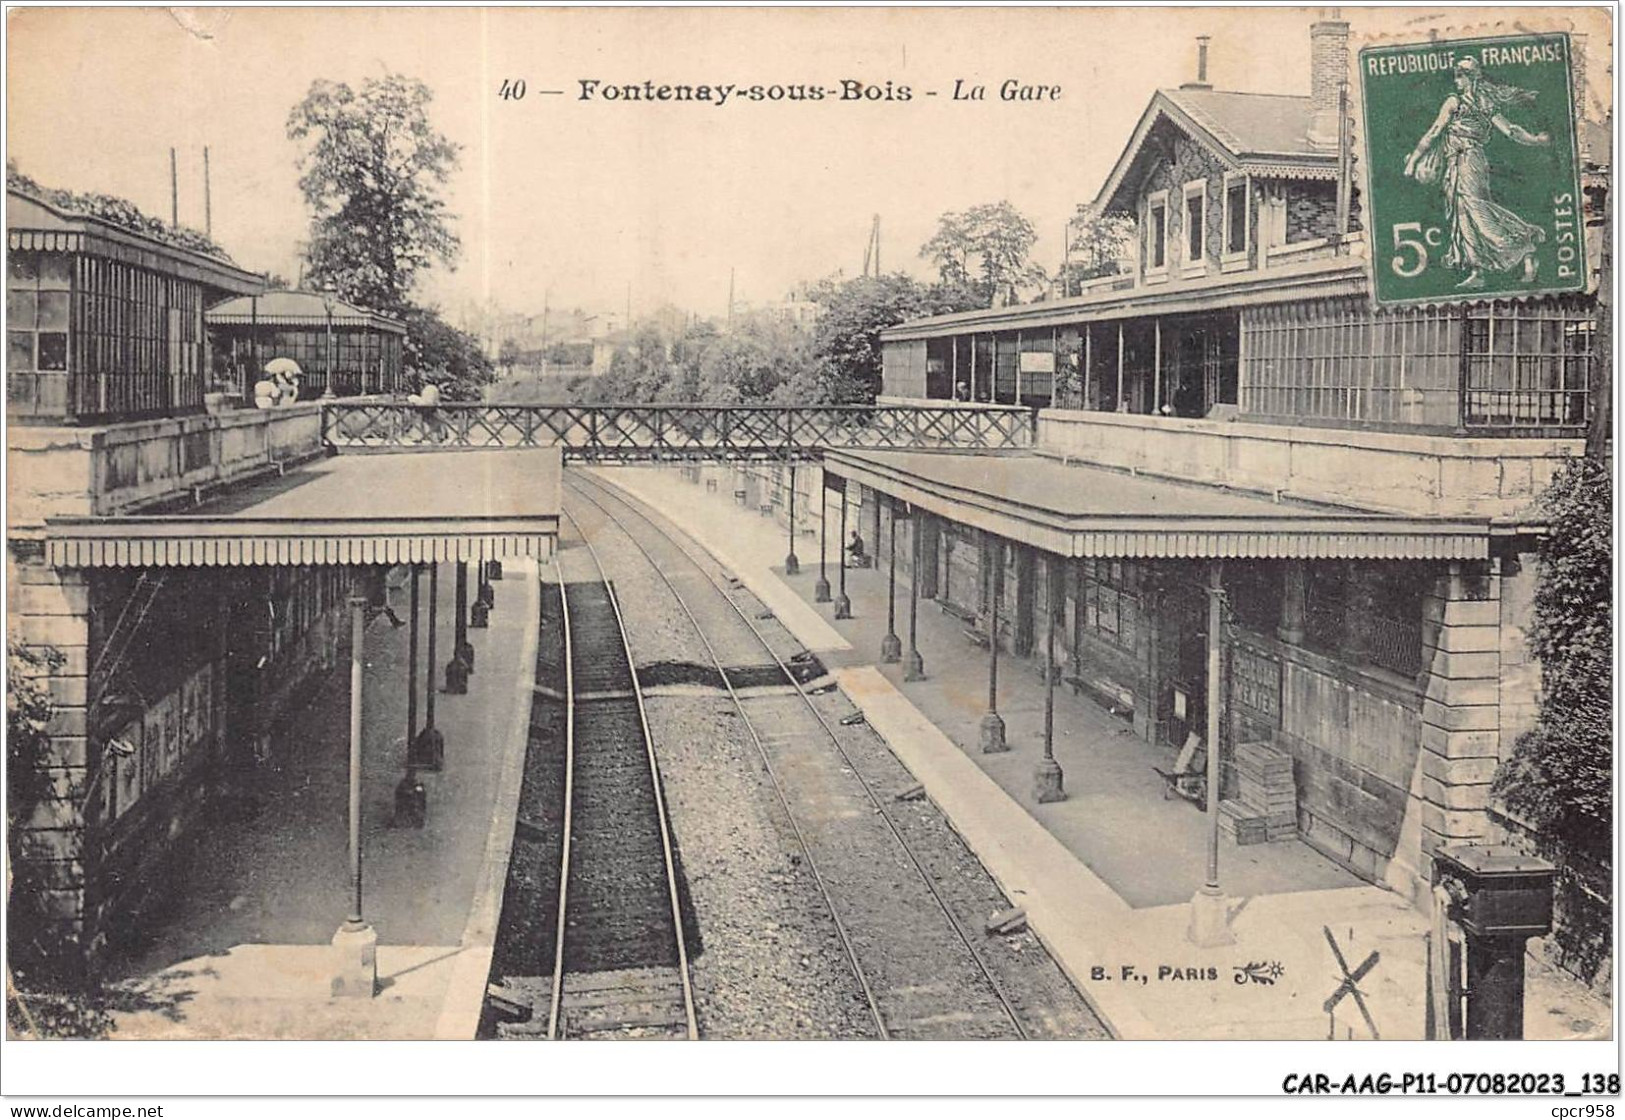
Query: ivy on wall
(1558, 778)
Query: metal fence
(650, 433)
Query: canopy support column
(355, 945)
(843, 605)
(1122, 401)
(992, 729)
(1047, 778)
(411, 798)
(891, 647)
(914, 664)
(1210, 924)
(1156, 369)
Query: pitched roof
(1254, 124)
(1265, 134)
(294, 308)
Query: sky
(593, 202)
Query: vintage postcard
(811, 524)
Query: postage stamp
(1471, 168)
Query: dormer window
(1195, 224)
(1156, 232)
(1236, 197)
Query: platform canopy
(451, 505)
(1080, 511)
(284, 308)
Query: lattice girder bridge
(674, 433)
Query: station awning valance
(380, 509)
(1080, 511)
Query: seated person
(860, 559)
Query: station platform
(244, 950)
(1107, 874)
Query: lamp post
(843, 605)
(792, 563)
(821, 587)
(327, 303)
(1210, 924)
(429, 748)
(992, 730)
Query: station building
(342, 350)
(105, 318)
(1233, 407)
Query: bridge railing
(675, 432)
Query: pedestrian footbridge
(674, 433)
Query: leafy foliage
(373, 168)
(28, 741)
(985, 249)
(1558, 777)
(846, 339)
(763, 360)
(38, 947)
(441, 353)
(115, 211)
(1101, 245)
(1559, 774)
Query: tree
(373, 169)
(439, 352)
(750, 363)
(1100, 246)
(985, 248)
(846, 339)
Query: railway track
(619, 950)
(921, 973)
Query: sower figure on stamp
(1483, 234)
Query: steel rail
(569, 809)
(778, 787)
(903, 844)
(660, 798)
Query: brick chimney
(1201, 81)
(1328, 71)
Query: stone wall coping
(1419, 443)
(32, 437)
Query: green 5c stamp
(1472, 176)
